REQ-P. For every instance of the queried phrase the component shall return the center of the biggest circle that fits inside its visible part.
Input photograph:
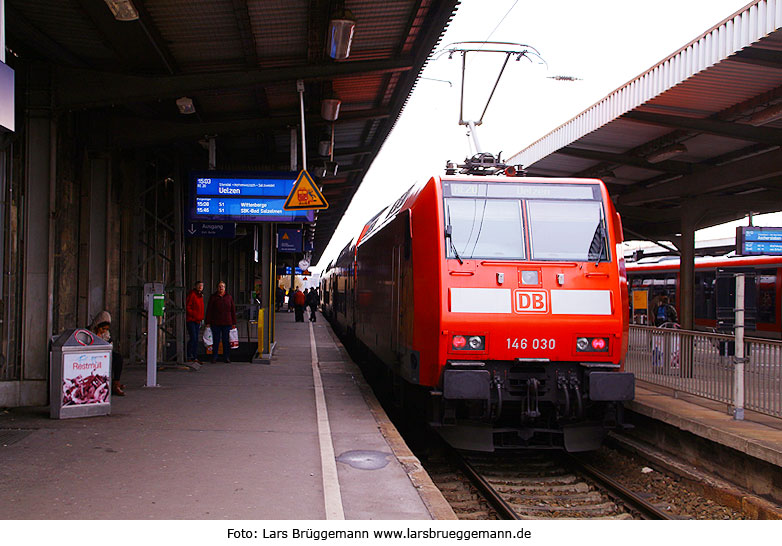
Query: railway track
(537, 485)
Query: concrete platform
(747, 453)
(231, 441)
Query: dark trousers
(313, 308)
(299, 313)
(116, 365)
(220, 333)
(192, 342)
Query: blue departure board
(754, 241)
(243, 197)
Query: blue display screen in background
(753, 241)
(243, 197)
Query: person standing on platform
(101, 327)
(290, 299)
(312, 302)
(280, 298)
(299, 301)
(194, 308)
(221, 317)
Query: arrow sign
(305, 195)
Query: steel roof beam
(764, 135)
(740, 172)
(675, 167)
(78, 89)
(759, 56)
(134, 132)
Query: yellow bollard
(260, 331)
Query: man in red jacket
(194, 307)
(221, 317)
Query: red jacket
(221, 310)
(299, 298)
(194, 306)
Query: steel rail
(617, 490)
(503, 509)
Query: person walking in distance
(665, 312)
(313, 300)
(221, 317)
(194, 308)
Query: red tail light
(459, 342)
(598, 344)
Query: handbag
(233, 338)
(207, 338)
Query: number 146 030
(536, 343)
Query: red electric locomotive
(501, 301)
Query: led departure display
(243, 197)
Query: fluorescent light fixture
(772, 113)
(185, 105)
(340, 37)
(123, 10)
(666, 153)
(329, 109)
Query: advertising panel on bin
(223, 196)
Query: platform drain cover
(365, 460)
(8, 437)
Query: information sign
(220, 196)
(754, 241)
(211, 229)
(289, 240)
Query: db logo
(531, 301)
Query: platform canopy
(238, 61)
(699, 133)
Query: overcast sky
(605, 43)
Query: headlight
(529, 277)
(468, 343)
(476, 343)
(582, 343)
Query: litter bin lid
(79, 337)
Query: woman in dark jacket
(221, 317)
(100, 326)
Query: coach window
(705, 305)
(484, 228)
(767, 295)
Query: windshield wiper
(449, 235)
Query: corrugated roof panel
(280, 30)
(208, 35)
(379, 25)
(739, 31)
(366, 89)
(66, 26)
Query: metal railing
(698, 363)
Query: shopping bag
(207, 338)
(233, 338)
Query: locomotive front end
(533, 334)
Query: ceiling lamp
(185, 105)
(772, 113)
(329, 109)
(666, 153)
(123, 10)
(341, 27)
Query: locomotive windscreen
(486, 220)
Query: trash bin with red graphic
(80, 375)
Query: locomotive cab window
(567, 230)
(484, 228)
